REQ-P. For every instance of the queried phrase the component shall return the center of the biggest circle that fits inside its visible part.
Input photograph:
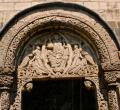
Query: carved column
(5, 98)
(5, 83)
(112, 98)
(101, 93)
(111, 78)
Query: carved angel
(78, 61)
(89, 59)
(38, 64)
(26, 61)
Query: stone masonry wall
(109, 10)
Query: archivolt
(24, 29)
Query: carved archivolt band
(25, 30)
(59, 54)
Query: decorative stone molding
(112, 76)
(101, 92)
(111, 67)
(58, 43)
(112, 99)
(6, 80)
(5, 100)
(23, 30)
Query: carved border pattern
(112, 76)
(6, 80)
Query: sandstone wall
(109, 10)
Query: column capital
(111, 76)
(5, 81)
(111, 67)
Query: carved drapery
(57, 55)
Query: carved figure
(89, 59)
(78, 60)
(25, 61)
(38, 64)
(57, 56)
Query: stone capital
(111, 76)
(5, 81)
(110, 67)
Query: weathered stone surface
(59, 43)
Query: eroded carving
(112, 76)
(6, 80)
(89, 85)
(5, 100)
(112, 98)
(29, 86)
(58, 55)
(72, 59)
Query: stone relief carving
(9, 63)
(43, 64)
(57, 56)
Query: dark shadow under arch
(59, 95)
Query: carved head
(50, 45)
(30, 56)
(38, 47)
(29, 86)
(76, 46)
(88, 84)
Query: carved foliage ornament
(57, 55)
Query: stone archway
(50, 42)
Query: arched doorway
(55, 41)
(58, 54)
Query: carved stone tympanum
(57, 55)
